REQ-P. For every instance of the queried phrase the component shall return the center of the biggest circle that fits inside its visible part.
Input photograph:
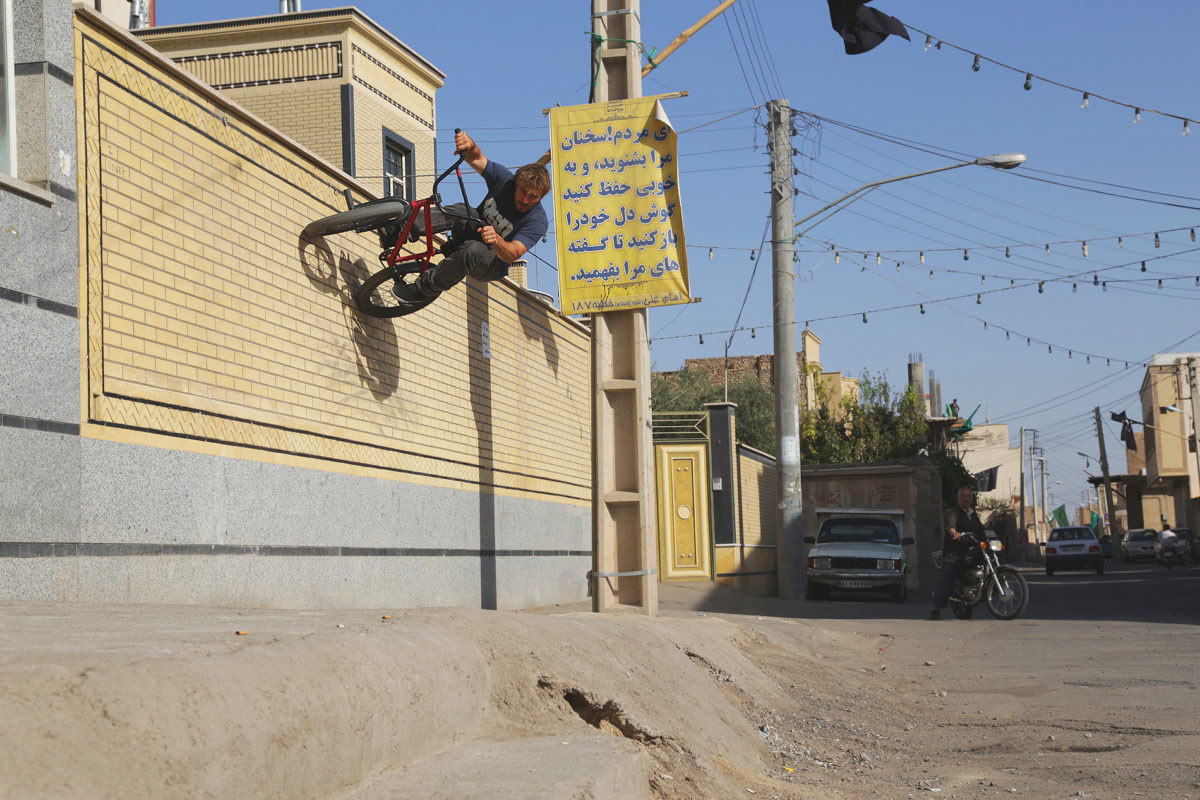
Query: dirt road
(1093, 694)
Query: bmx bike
(377, 296)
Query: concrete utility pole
(624, 541)
(1045, 498)
(1024, 528)
(787, 378)
(1108, 494)
(1193, 364)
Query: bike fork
(995, 575)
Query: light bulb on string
(979, 302)
(1008, 252)
(1187, 127)
(1049, 349)
(1157, 243)
(897, 266)
(1086, 99)
(702, 338)
(1047, 248)
(975, 65)
(1012, 282)
(922, 308)
(1095, 279)
(878, 259)
(796, 257)
(754, 333)
(930, 274)
(1085, 249)
(1108, 362)
(966, 255)
(864, 318)
(1041, 287)
(1088, 359)
(1120, 241)
(1074, 288)
(928, 43)
(837, 257)
(752, 255)
(1006, 336)
(1070, 354)
(1160, 283)
(923, 252)
(1027, 342)
(1143, 266)
(1193, 234)
(983, 278)
(1137, 116)
(710, 254)
(1028, 81)
(985, 324)
(1198, 280)
(1104, 286)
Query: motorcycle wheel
(1015, 598)
(961, 610)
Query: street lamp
(787, 381)
(998, 161)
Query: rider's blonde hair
(535, 176)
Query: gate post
(722, 437)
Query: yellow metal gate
(684, 537)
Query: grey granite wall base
(275, 582)
(126, 523)
(40, 377)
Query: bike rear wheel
(1015, 596)
(377, 299)
(364, 217)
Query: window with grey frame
(8, 112)
(399, 179)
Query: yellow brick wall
(209, 320)
(756, 500)
(371, 116)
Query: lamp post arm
(876, 184)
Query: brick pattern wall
(757, 512)
(208, 318)
(761, 368)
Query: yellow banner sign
(617, 211)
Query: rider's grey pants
(469, 257)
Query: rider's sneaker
(935, 614)
(420, 290)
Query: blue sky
(505, 63)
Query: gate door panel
(684, 537)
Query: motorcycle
(1175, 552)
(985, 580)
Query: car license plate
(854, 584)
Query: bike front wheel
(364, 217)
(1011, 597)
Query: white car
(856, 553)
(1139, 543)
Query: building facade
(196, 412)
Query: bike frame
(425, 206)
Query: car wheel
(816, 591)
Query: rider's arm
(506, 251)
(951, 523)
(470, 151)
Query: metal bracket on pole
(594, 574)
(618, 11)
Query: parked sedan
(1073, 548)
(1139, 543)
(861, 553)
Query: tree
(689, 389)
(879, 425)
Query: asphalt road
(1093, 692)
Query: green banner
(1059, 516)
(1094, 522)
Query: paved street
(1094, 692)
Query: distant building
(761, 368)
(986, 447)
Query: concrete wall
(226, 428)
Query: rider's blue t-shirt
(499, 208)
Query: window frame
(393, 141)
(8, 108)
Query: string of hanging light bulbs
(1086, 96)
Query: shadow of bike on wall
(376, 346)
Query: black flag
(1126, 430)
(986, 481)
(863, 28)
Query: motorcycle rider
(960, 519)
(1170, 545)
